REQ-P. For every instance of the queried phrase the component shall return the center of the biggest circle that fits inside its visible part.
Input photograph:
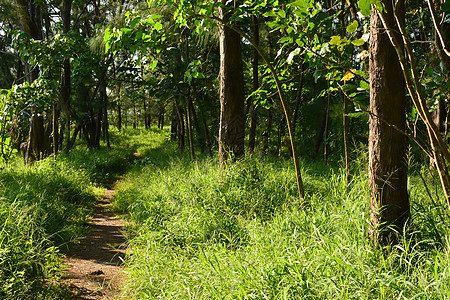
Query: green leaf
(360, 73)
(158, 26)
(355, 114)
(335, 40)
(270, 14)
(365, 7)
(358, 42)
(107, 35)
(284, 40)
(302, 7)
(352, 27)
(364, 85)
(282, 13)
(135, 21)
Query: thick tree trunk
(389, 204)
(232, 99)
(30, 19)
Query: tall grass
(43, 208)
(243, 234)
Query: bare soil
(94, 267)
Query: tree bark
(389, 203)
(65, 75)
(119, 117)
(232, 100)
(189, 125)
(180, 127)
(253, 109)
(30, 20)
(321, 132)
(345, 134)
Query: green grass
(243, 234)
(45, 207)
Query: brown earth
(94, 267)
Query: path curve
(94, 267)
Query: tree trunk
(297, 102)
(174, 123)
(253, 109)
(134, 116)
(180, 127)
(189, 126)
(206, 129)
(266, 134)
(345, 134)
(326, 147)
(232, 100)
(30, 19)
(55, 127)
(119, 117)
(321, 132)
(200, 138)
(389, 204)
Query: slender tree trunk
(281, 133)
(326, 147)
(253, 109)
(174, 123)
(266, 134)
(232, 99)
(65, 75)
(200, 138)
(389, 204)
(119, 117)
(145, 116)
(55, 127)
(206, 130)
(345, 134)
(74, 137)
(134, 116)
(321, 132)
(298, 100)
(189, 126)
(180, 127)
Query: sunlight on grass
(243, 234)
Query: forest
(250, 149)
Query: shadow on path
(94, 267)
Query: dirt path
(94, 266)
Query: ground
(94, 267)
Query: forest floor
(95, 266)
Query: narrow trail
(94, 267)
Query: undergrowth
(43, 208)
(242, 234)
